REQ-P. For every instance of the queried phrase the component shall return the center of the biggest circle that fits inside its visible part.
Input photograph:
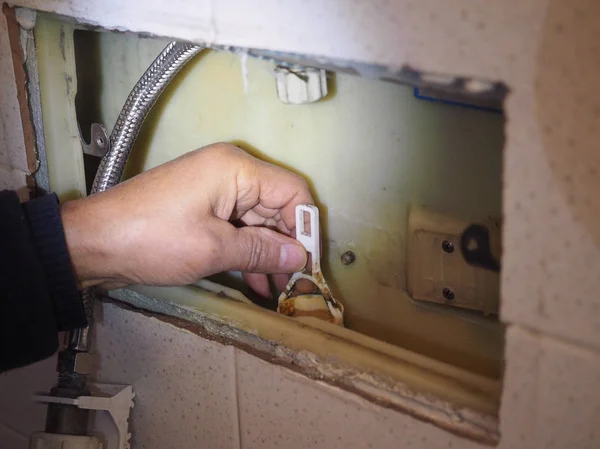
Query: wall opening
(399, 172)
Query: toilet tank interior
(372, 153)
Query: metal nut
(448, 246)
(448, 293)
(348, 258)
(74, 362)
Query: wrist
(84, 242)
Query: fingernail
(292, 258)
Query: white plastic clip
(307, 233)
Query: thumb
(260, 250)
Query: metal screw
(100, 142)
(348, 258)
(448, 246)
(448, 293)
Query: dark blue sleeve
(38, 291)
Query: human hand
(172, 225)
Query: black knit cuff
(48, 233)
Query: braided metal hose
(137, 106)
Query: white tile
(519, 406)
(568, 414)
(551, 398)
(283, 409)
(551, 179)
(9, 439)
(184, 384)
(17, 409)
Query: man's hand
(173, 225)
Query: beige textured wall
(13, 160)
(547, 52)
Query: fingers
(252, 218)
(270, 191)
(278, 190)
(258, 250)
(305, 286)
(113, 285)
(259, 283)
(281, 281)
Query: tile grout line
(237, 397)
(560, 339)
(14, 431)
(537, 390)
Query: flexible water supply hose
(137, 106)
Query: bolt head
(448, 293)
(74, 362)
(448, 246)
(348, 258)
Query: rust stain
(286, 307)
(303, 288)
(326, 292)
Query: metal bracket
(99, 143)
